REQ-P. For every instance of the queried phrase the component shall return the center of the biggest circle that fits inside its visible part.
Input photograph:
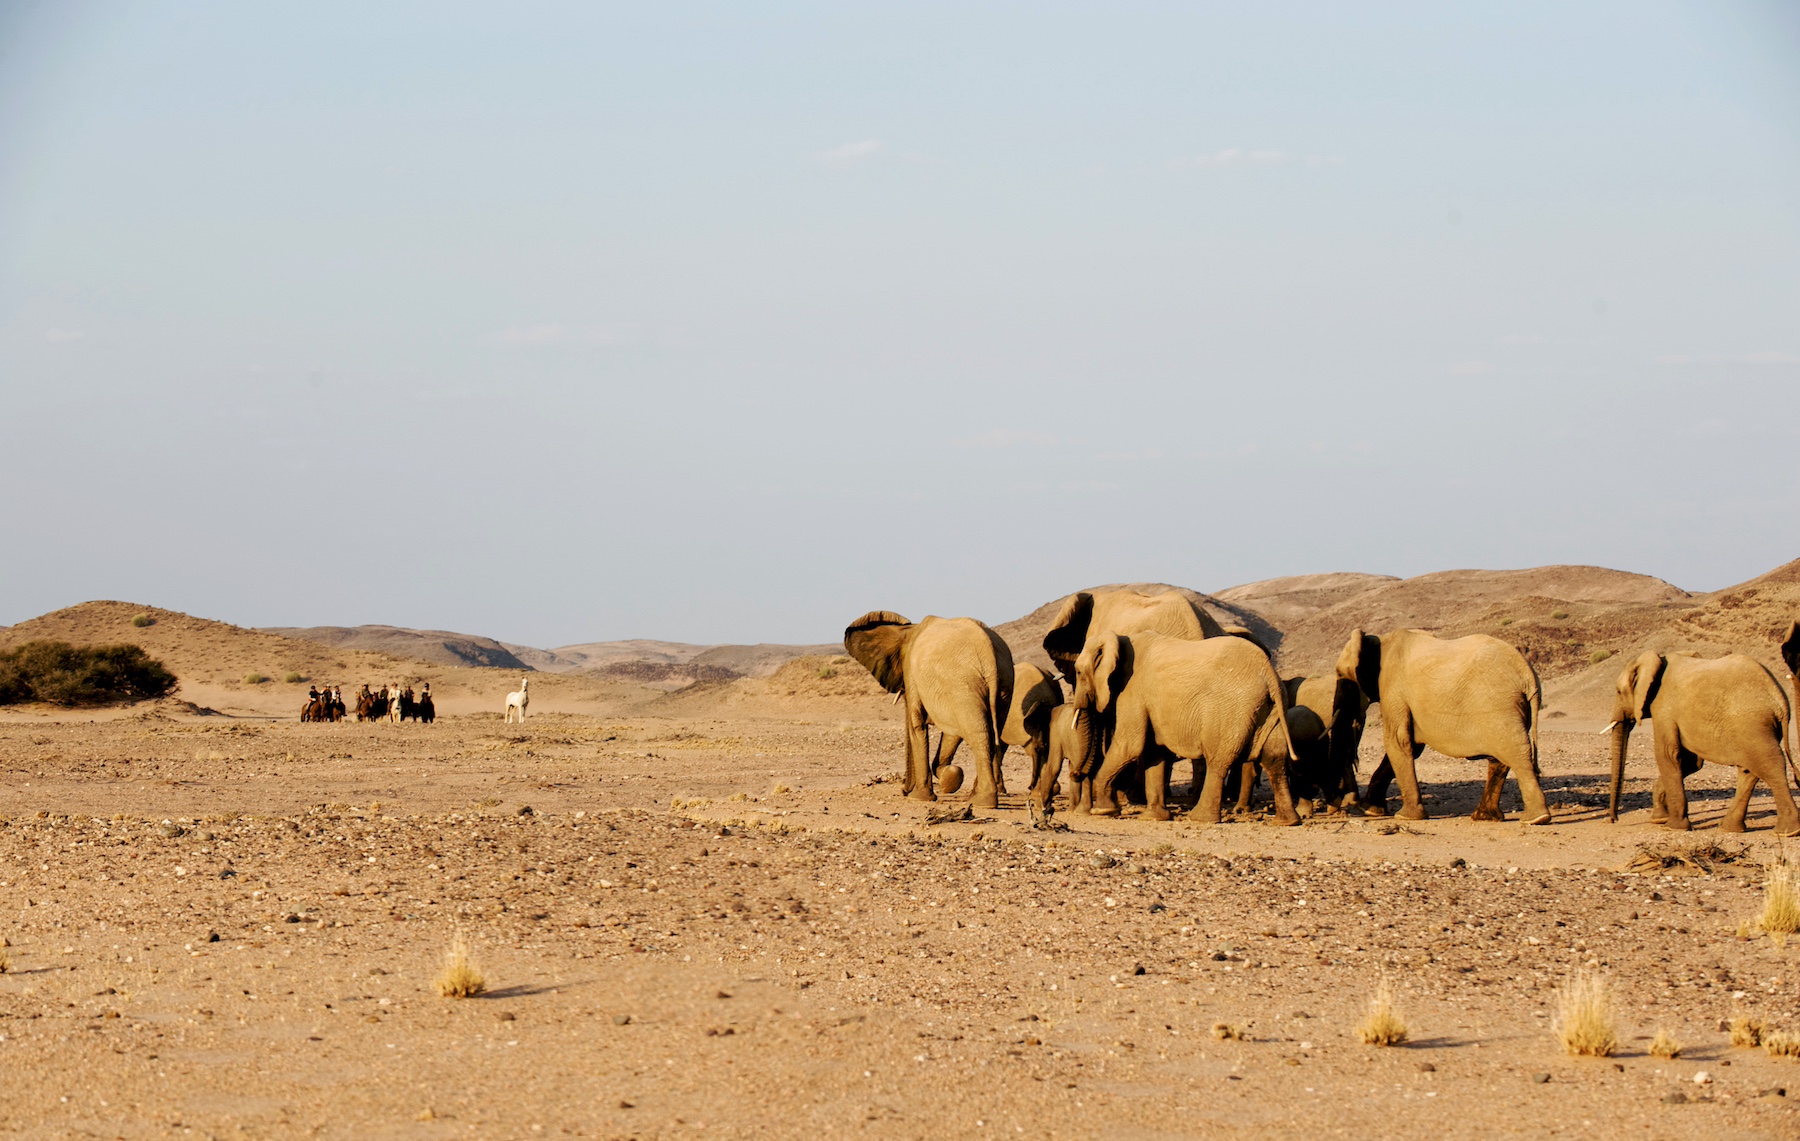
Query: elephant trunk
(1621, 737)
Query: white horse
(518, 701)
(393, 696)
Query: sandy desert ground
(732, 925)
(707, 911)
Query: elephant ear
(1646, 676)
(1790, 649)
(1107, 683)
(1361, 663)
(1040, 699)
(878, 640)
(1068, 633)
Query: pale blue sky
(731, 322)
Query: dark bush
(61, 674)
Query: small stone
(170, 831)
(723, 994)
(1540, 1078)
(425, 1115)
(1619, 1067)
(1102, 860)
(291, 919)
(1135, 869)
(1676, 1098)
(1459, 862)
(623, 1104)
(506, 1016)
(1702, 1078)
(377, 971)
(1427, 1068)
(1137, 969)
(1775, 1093)
(525, 810)
(622, 1020)
(212, 937)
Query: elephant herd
(1154, 679)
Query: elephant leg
(1156, 787)
(1286, 814)
(1489, 808)
(1733, 820)
(1045, 772)
(917, 783)
(1375, 801)
(1404, 752)
(1668, 775)
(947, 745)
(1212, 793)
(1766, 762)
(1000, 768)
(1659, 803)
(1081, 794)
(1531, 789)
(1125, 748)
(1240, 783)
(987, 773)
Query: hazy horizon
(566, 323)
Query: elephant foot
(1103, 808)
(1731, 826)
(1659, 816)
(921, 794)
(1678, 824)
(1788, 833)
(1544, 818)
(1158, 812)
(1374, 809)
(1487, 814)
(1413, 812)
(1280, 821)
(988, 800)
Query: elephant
(954, 673)
(1036, 695)
(1344, 709)
(1729, 710)
(1066, 744)
(1089, 615)
(1473, 697)
(1214, 702)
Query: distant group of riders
(390, 702)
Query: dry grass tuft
(1747, 1032)
(1585, 1022)
(1780, 915)
(1229, 1032)
(459, 978)
(1383, 1026)
(1781, 1044)
(1665, 1046)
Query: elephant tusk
(1609, 728)
(1073, 716)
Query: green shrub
(826, 671)
(1559, 614)
(291, 677)
(255, 679)
(143, 620)
(61, 674)
(1599, 656)
(1506, 621)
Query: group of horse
(394, 703)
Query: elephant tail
(1535, 702)
(1278, 696)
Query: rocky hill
(439, 647)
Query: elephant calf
(1729, 710)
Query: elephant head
(1633, 693)
(878, 640)
(1101, 671)
(1361, 663)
